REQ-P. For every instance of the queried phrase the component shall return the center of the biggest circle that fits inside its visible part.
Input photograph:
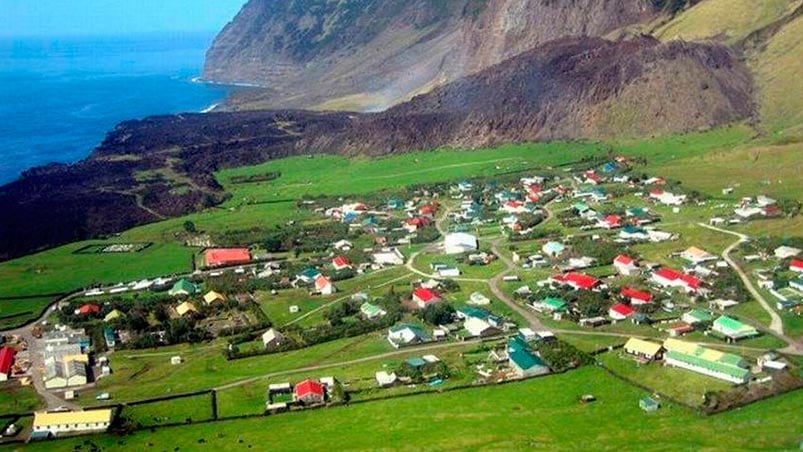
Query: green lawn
(541, 413)
(17, 399)
(194, 409)
(686, 386)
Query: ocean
(59, 97)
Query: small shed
(649, 404)
(175, 360)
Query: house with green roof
(550, 305)
(713, 363)
(183, 287)
(395, 204)
(553, 249)
(697, 316)
(523, 361)
(733, 329)
(308, 275)
(371, 311)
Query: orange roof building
(219, 257)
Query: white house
(389, 257)
(479, 328)
(459, 243)
(785, 252)
(625, 265)
(384, 379)
(696, 255)
(55, 423)
(272, 338)
(324, 286)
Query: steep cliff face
(568, 89)
(370, 54)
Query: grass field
(17, 399)
(176, 411)
(680, 384)
(730, 20)
(540, 413)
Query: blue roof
(415, 362)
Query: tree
(438, 313)
(189, 226)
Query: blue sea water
(59, 97)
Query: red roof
(321, 282)
(535, 189)
(681, 328)
(418, 221)
(226, 256)
(341, 261)
(691, 281)
(427, 209)
(622, 309)
(514, 204)
(623, 259)
(307, 387)
(6, 359)
(656, 192)
(613, 220)
(629, 292)
(425, 295)
(796, 263)
(89, 309)
(668, 273)
(580, 280)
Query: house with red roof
(610, 222)
(625, 265)
(88, 309)
(635, 297)
(221, 257)
(309, 392)
(341, 263)
(620, 311)
(577, 281)
(427, 210)
(423, 297)
(323, 285)
(591, 177)
(667, 277)
(796, 265)
(6, 360)
(412, 225)
(514, 206)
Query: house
(323, 286)
(635, 297)
(221, 257)
(514, 207)
(785, 252)
(185, 309)
(308, 275)
(478, 299)
(667, 277)
(620, 311)
(697, 317)
(733, 329)
(371, 311)
(341, 263)
(65, 371)
(114, 314)
(523, 361)
(697, 256)
(610, 222)
(722, 304)
(309, 392)
(389, 257)
(550, 305)
(477, 327)
(643, 349)
(724, 366)
(88, 309)
(406, 334)
(553, 249)
(648, 404)
(631, 232)
(6, 361)
(796, 266)
(667, 198)
(109, 337)
(395, 204)
(212, 297)
(183, 287)
(424, 297)
(625, 265)
(384, 379)
(679, 329)
(272, 338)
(342, 245)
(577, 281)
(460, 242)
(46, 424)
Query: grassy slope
(538, 413)
(730, 20)
(777, 70)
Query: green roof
(417, 330)
(700, 315)
(734, 326)
(370, 309)
(727, 369)
(415, 362)
(554, 303)
(470, 311)
(183, 285)
(309, 273)
(526, 360)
